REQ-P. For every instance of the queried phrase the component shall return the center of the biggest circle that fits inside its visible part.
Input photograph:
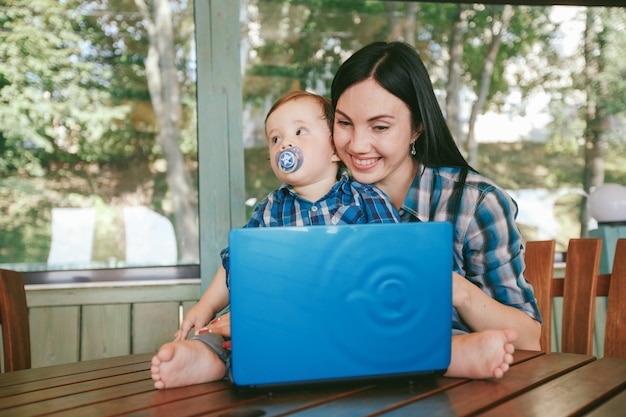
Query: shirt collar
(416, 206)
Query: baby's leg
(481, 355)
(186, 362)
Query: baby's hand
(196, 317)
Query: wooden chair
(578, 290)
(539, 258)
(14, 321)
(615, 330)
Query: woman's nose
(358, 142)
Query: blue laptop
(320, 304)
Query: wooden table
(537, 385)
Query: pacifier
(289, 160)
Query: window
(98, 135)
(103, 151)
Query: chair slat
(14, 320)
(579, 295)
(615, 333)
(539, 259)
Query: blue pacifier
(289, 160)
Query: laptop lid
(334, 303)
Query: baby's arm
(214, 299)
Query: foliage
(55, 102)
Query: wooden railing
(77, 322)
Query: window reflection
(98, 134)
(98, 112)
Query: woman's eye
(380, 128)
(301, 131)
(343, 122)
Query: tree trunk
(596, 123)
(165, 95)
(402, 29)
(497, 28)
(410, 27)
(455, 70)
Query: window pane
(98, 135)
(528, 117)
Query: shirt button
(313, 209)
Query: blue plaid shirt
(488, 247)
(347, 202)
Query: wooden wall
(78, 322)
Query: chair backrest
(14, 321)
(578, 290)
(615, 333)
(539, 258)
(579, 294)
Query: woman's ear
(417, 131)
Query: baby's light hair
(325, 104)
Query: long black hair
(398, 68)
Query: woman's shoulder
(473, 179)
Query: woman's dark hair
(398, 68)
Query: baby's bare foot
(481, 355)
(183, 363)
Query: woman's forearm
(481, 312)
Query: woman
(389, 130)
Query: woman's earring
(413, 152)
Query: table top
(556, 384)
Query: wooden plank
(386, 397)
(105, 331)
(614, 406)
(523, 355)
(36, 391)
(602, 288)
(1, 353)
(571, 394)
(108, 402)
(81, 368)
(112, 294)
(66, 403)
(153, 324)
(477, 395)
(54, 335)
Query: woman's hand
(220, 325)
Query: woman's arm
(481, 312)
(491, 292)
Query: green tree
(54, 101)
(605, 87)
(498, 37)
